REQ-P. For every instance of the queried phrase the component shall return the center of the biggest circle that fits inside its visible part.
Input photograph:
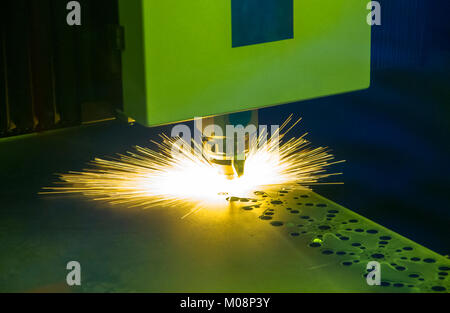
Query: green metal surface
(179, 62)
(289, 240)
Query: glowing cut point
(147, 178)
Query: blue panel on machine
(260, 21)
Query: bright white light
(147, 178)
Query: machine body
(206, 58)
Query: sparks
(147, 178)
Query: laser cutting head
(221, 142)
(206, 58)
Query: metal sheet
(281, 241)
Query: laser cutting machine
(216, 61)
(207, 58)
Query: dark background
(394, 135)
(53, 75)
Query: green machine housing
(185, 59)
